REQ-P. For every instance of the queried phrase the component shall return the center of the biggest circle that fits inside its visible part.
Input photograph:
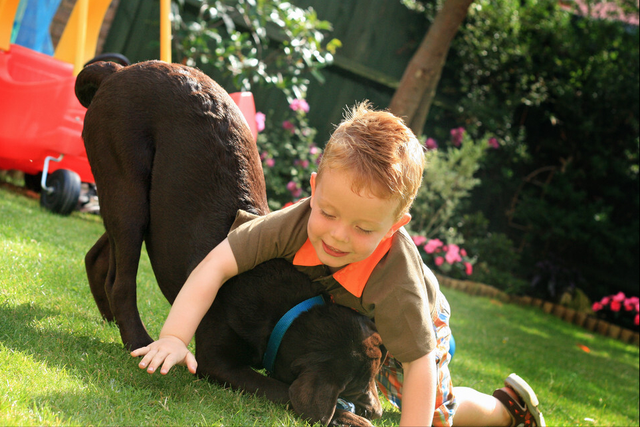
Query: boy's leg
(513, 405)
(479, 409)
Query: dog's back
(178, 132)
(173, 161)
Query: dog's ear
(372, 346)
(313, 397)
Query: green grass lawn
(61, 364)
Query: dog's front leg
(248, 380)
(346, 418)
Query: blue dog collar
(281, 328)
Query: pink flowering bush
(619, 310)
(450, 259)
(457, 135)
(288, 153)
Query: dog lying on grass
(173, 161)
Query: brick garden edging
(569, 315)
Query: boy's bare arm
(191, 304)
(419, 391)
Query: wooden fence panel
(378, 39)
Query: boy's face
(345, 227)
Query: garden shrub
(497, 257)
(449, 243)
(289, 156)
(448, 179)
(269, 43)
(561, 94)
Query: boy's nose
(340, 233)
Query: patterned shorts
(390, 378)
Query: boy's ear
(313, 183)
(401, 223)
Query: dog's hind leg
(97, 265)
(126, 226)
(114, 298)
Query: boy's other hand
(167, 351)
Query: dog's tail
(90, 78)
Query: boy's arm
(191, 304)
(419, 391)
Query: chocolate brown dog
(173, 161)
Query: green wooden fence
(378, 39)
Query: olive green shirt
(400, 294)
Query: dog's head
(340, 356)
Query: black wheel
(63, 198)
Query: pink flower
(314, 150)
(287, 125)
(299, 104)
(605, 300)
(453, 254)
(456, 136)
(628, 304)
(303, 163)
(468, 268)
(270, 162)
(615, 305)
(432, 245)
(463, 252)
(619, 297)
(493, 143)
(294, 189)
(596, 306)
(419, 240)
(439, 261)
(263, 155)
(636, 320)
(260, 118)
(431, 144)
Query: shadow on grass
(100, 374)
(88, 380)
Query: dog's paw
(346, 418)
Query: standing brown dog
(173, 161)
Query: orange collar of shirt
(352, 277)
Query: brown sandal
(521, 402)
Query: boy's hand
(167, 351)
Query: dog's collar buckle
(281, 327)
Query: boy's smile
(345, 227)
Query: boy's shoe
(521, 402)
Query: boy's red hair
(381, 153)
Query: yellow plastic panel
(80, 37)
(7, 16)
(165, 30)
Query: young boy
(349, 236)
